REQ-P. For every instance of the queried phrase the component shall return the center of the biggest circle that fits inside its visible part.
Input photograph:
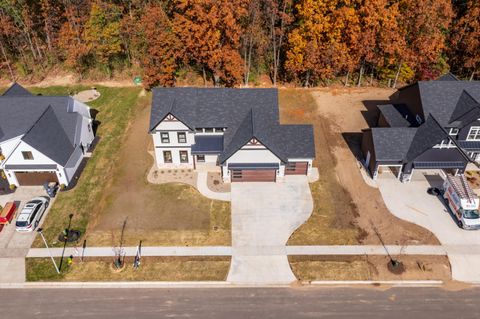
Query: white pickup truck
(462, 201)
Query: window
(182, 137)
(219, 129)
(453, 131)
(209, 130)
(200, 158)
(183, 157)
(474, 133)
(89, 127)
(27, 155)
(165, 137)
(167, 156)
(199, 130)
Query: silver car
(30, 216)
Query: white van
(462, 201)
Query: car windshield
(21, 223)
(470, 214)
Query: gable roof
(392, 143)
(427, 135)
(466, 111)
(48, 136)
(448, 77)
(246, 113)
(395, 115)
(16, 90)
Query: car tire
(36, 224)
(460, 224)
(46, 205)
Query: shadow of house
(354, 142)
(372, 113)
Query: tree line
(232, 42)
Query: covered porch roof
(208, 144)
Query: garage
(260, 175)
(35, 178)
(296, 168)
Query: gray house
(428, 125)
(42, 138)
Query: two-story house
(428, 125)
(236, 131)
(42, 138)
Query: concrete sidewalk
(207, 192)
(246, 250)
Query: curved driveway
(264, 215)
(410, 201)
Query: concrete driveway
(14, 246)
(411, 202)
(264, 215)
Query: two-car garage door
(35, 178)
(254, 175)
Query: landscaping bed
(151, 269)
(309, 268)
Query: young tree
(210, 32)
(162, 47)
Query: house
(42, 138)
(234, 131)
(427, 125)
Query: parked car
(30, 216)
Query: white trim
(477, 133)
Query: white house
(236, 131)
(42, 138)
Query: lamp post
(49, 252)
(67, 231)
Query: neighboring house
(42, 138)
(428, 125)
(236, 129)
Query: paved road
(411, 202)
(264, 215)
(240, 303)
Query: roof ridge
(38, 119)
(451, 139)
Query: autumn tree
(102, 33)
(425, 24)
(210, 32)
(161, 45)
(465, 39)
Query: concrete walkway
(264, 215)
(207, 192)
(410, 201)
(178, 251)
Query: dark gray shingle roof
(48, 136)
(448, 77)
(427, 135)
(392, 115)
(246, 113)
(392, 143)
(16, 90)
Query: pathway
(179, 251)
(264, 215)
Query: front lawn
(151, 269)
(113, 189)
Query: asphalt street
(240, 303)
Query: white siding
(253, 156)
(16, 157)
(175, 157)
(81, 108)
(9, 145)
(73, 163)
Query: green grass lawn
(151, 269)
(115, 107)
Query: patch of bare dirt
(343, 113)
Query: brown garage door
(296, 168)
(35, 178)
(257, 175)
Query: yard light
(39, 230)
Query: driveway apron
(411, 202)
(264, 215)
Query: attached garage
(296, 168)
(261, 172)
(35, 178)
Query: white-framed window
(183, 156)
(453, 131)
(165, 137)
(182, 137)
(474, 134)
(201, 158)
